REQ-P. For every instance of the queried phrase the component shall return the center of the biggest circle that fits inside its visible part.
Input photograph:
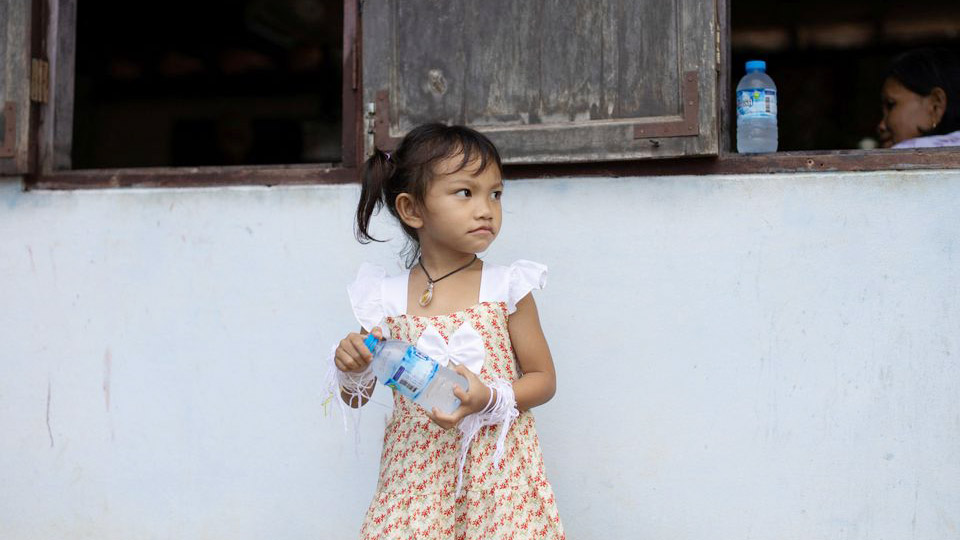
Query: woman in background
(921, 100)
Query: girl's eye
(497, 194)
(463, 193)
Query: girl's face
(462, 210)
(906, 115)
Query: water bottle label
(757, 103)
(414, 374)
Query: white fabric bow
(465, 347)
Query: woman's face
(905, 114)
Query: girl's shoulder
(374, 295)
(511, 283)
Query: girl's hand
(472, 401)
(352, 354)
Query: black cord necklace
(427, 295)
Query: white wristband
(353, 384)
(500, 409)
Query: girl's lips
(482, 230)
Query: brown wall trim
(181, 177)
(780, 162)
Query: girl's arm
(352, 356)
(538, 383)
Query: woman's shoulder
(931, 141)
(511, 283)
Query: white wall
(739, 357)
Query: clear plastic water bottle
(756, 110)
(415, 375)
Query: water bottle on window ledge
(756, 110)
(415, 375)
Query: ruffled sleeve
(524, 277)
(366, 296)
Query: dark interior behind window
(828, 58)
(187, 83)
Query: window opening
(178, 83)
(828, 59)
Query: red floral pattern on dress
(418, 468)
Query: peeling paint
(107, 367)
(436, 82)
(49, 430)
(33, 265)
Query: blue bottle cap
(756, 65)
(371, 342)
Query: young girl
(478, 472)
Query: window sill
(318, 174)
(179, 177)
(779, 162)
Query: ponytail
(377, 171)
(410, 169)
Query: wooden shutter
(15, 86)
(549, 80)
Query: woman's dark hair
(410, 169)
(922, 70)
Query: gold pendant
(427, 296)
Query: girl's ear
(409, 211)
(937, 102)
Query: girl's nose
(484, 208)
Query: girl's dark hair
(922, 70)
(411, 167)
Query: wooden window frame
(56, 27)
(730, 162)
(353, 133)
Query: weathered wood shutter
(15, 86)
(548, 80)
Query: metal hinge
(377, 125)
(370, 122)
(39, 80)
(716, 35)
(381, 123)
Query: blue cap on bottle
(371, 342)
(756, 65)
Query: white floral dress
(416, 492)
